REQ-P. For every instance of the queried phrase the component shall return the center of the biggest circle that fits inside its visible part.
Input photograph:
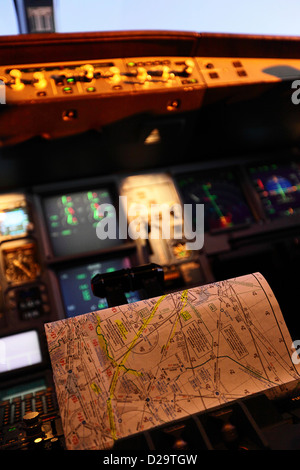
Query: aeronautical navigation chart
(127, 369)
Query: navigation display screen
(72, 219)
(225, 206)
(13, 222)
(19, 350)
(75, 284)
(278, 187)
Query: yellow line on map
(103, 344)
(117, 371)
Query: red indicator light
(260, 184)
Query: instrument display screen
(225, 206)
(72, 220)
(75, 284)
(13, 222)
(19, 350)
(278, 186)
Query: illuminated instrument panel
(14, 218)
(68, 98)
(278, 186)
(20, 263)
(75, 284)
(22, 350)
(13, 222)
(146, 192)
(72, 219)
(56, 80)
(225, 205)
(118, 75)
(154, 199)
(50, 250)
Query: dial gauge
(20, 263)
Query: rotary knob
(32, 424)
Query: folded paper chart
(126, 369)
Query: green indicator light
(70, 80)
(131, 64)
(90, 195)
(102, 305)
(64, 199)
(54, 217)
(54, 224)
(66, 232)
(110, 270)
(86, 295)
(90, 89)
(12, 429)
(81, 276)
(67, 89)
(83, 286)
(104, 194)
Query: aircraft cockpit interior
(149, 227)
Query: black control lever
(148, 278)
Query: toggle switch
(116, 75)
(165, 73)
(39, 80)
(189, 66)
(16, 74)
(88, 71)
(142, 74)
